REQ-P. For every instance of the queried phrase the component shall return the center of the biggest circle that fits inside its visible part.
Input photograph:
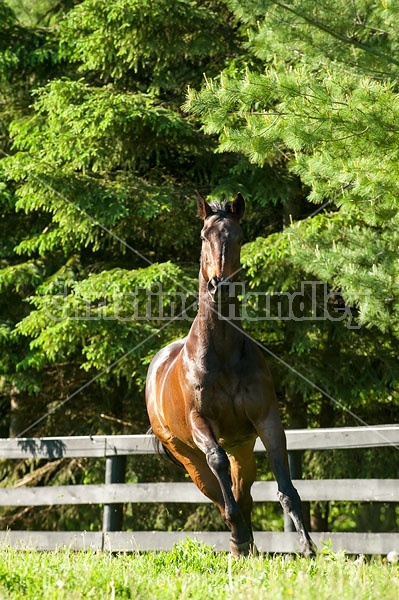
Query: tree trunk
(319, 517)
(16, 419)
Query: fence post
(115, 470)
(295, 464)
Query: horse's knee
(289, 501)
(219, 463)
(217, 460)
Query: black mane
(221, 207)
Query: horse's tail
(166, 452)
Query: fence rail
(102, 445)
(114, 493)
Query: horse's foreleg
(273, 437)
(218, 462)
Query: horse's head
(221, 242)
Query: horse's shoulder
(167, 353)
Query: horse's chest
(219, 394)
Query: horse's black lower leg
(273, 437)
(291, 504)
(241, 542)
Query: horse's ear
(237, 207)
(204, 210)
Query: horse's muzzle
(219, 289)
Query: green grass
(192, 571)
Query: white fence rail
(110, 493)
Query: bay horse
(211, 394)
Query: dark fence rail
(114, 492)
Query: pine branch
(337, 34)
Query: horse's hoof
(254, 550)
(244, 549)
(240, 550)
(309, 550)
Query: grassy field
(193, 571)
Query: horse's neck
(217, 327)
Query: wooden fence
(113, 493)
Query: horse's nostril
(213, 285)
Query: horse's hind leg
(196, 464)
(272, 435)
(243, 473)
